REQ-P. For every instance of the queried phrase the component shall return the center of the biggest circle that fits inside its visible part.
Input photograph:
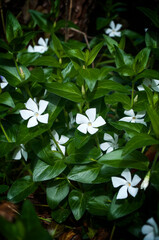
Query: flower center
(133, 118)
(129, 184)
(89, 124)
(36, 114)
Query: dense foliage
(82, 118)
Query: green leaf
(118, 97)
(101, 22)
(133, 160)
(77, 202)
(111, 43)
(151, 39)
(93, 53)
(56, 191)
(147, 73)
(3, 188)
(99, 205)
(77, 53)
(20, 189)
(61, 214)
(141, 60)
(6, 147)
(41, 20)
(43, 171)
(13, 28)
(4, 45)
(6, 99)
(65, 90)
(121, 208)
(139, 141)
(57, 46)
(84, 174)
(33, 227)
(128, 127)
(46, 61)
(90, 75)
(154, 117)
(122, 59)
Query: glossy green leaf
(111, 43)
(122, 59)
(121, 208)
(90, 75)
(56, 191)
(41, 20)
(43, 171)
(141, 60)
(13, 28)
(94, 52)
(65, 90)
(118, 97)
(77, 53)
(77, 202)
(133, 160)
(84, 174)
(128, 127)
(154, 117)
(61, 214)
(57, 46)
(46, 61)
(139, 141)
(20, 189)
(6, 99)
(147, 73)
(99, 205)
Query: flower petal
(112, 34)
(141, 121)
(133, 191)
(136, 179)
(83, 128)
(24, 154)
(140, 114)
(62, 149)
(41, 42)
(146, 229)
(117, 34)
(118, 27)
(122, 193)
(30, 49)
(40, 49)
(153, 223)
(108, 137)
(43, 118)
(112, 25)
(140, 88)
(117, 181)
(91, 114)
(80, 118)
(25, 114)
(31, 105)
(126, 119)
(104, 146)
(17, 154)
(108, 30)
(98, 122)
(127, 175)
(129, 113)
(53, 147)
(92, 130)
(55, 135)
(63, 139)
(3, 85)
(42, 106)
(32, 122)
(110, 149)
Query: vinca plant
(79, 126)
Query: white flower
(134, 118)
(110, 144)
(152, 84)
(150, 230)
(89, 123)
(4, 82)
(127, 184)
(20, 152)
(35, 113)
(145, 182)
(113, 30)
(60, 141)
(41, 48)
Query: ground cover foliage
(79, 129)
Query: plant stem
(132, 95)
(112, 232)
(15, 62)
(8, 139)
(143, 148)
(45, 219)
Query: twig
(83, 33)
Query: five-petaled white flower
(150, 230)
(41, 48)
(134, 118)
(110, 144)
(90, 123)
(20, 152)
(128, 184)
(113, 30)
(152, 84)
(34, 112)
(60, 141)
(4, 82)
